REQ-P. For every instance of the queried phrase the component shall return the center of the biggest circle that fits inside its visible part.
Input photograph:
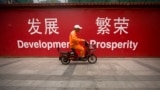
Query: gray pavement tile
(92, 88)
(40, 83)
(25, 88)
(31, 88)
(37, 88)
(82, 84)
(51, 88)
(10, 77)
(144, 72)
(88, 84)
(65, 89)
(23, 77)
(125, 78)
(137, 84)
(155, 63)
(152, 84)
(69, 71)
(113, 84)
(8, 88)
(20, 83)
(148, 66)
(79, 89)
(8, 63)
(62, 84)
(104, 78)
(37, 83)
(37, 77)
(74, 84)
(128, 89)
(59, 78)
(4, 82)
(145, 84)
(82, 77)
(148, 78)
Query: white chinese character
(121, 25)
(51, 26)
(103, 24)
(34, 26)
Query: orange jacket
(73, 39)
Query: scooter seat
(72, 49)
(64, 52)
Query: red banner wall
(117, 32)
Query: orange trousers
(80, 49)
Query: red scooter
(66, 57)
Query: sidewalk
(106, 74)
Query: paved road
(106, 74)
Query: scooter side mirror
(86, 43)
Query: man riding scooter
(74, 41)
(84, 54)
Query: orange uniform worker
(74, 41)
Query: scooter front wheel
(65, 60)
(92, 59)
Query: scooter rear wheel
(92, 59)
(65, 60)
